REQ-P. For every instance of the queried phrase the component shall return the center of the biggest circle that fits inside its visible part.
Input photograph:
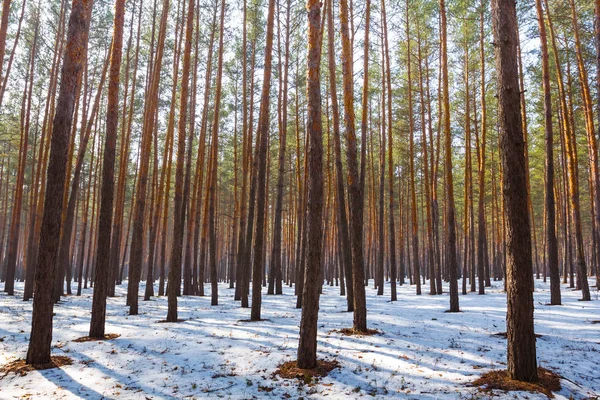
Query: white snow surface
(421, 353)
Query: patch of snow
(422, 352)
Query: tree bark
(213, 168)
(138, 232)
(551, 242)
(180, 201)
(262, 134)
(451, 262)
(97, 323)
(521, 363)
(307, 347)
(356, 203)
(41, 329)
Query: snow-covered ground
(421, 353)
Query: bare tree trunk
(572, 167)
(481, 225)
(213, 168)
(356, 202)
(342, 219)
(138, 233)
(451, 263)
(179, 203)
(597, 40)
(124, 154)
(261, 143)
(15, 225)
(307, 347)
(41, 329)
(97, 322)
(552, 245)
(391, 173)
(522, 363)
(275, 270)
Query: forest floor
(421, 351)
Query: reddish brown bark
(41, 330)
(522, 363)
(307, 347)
(108, 171)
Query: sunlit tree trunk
(451, 261)
(572, 166)
(108, 171)
(522, 364)
(261, 143)
(150, 107)
(551, 242)
(481, 225)
(307, 347)
(214, 147)
(41, 329)
(354, 190)
(179, 203)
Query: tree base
(548, 382)
(290, 370)
(20, 367)
(164, 321)
(107, 336)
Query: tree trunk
(307, 347)
(41, 329)
(139, 210)
(213, 168)
(451, 263)
(597, 40)
(342, 219)
(572, 166)
(521, 363)
(261, 143)
(354, 188)
(481, 226)
(97, 323)
(275, 270)
(551, 242)
(180, 201)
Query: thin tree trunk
(212, 188)
(551, 242)
(451, 263)
(179, 203)
(391, 173)
(261, 153)
(354, 188)
(307, 347)
(572, 166)
(138, 234)
(97, 323)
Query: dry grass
(108, 336)
(19, 367)
(256, 320)
(290, 370)
(356, 332)
(164, 321)
(505, 335)
(548, 382)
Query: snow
(422, 352)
